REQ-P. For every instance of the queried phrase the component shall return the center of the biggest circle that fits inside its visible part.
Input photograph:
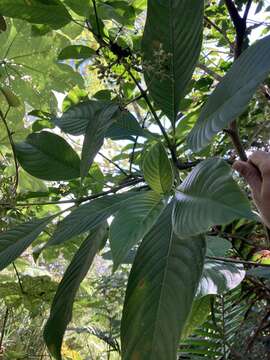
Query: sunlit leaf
(51, 12)
(200, 310)
(157, 169)
(76, 52)
(220, 277)
(208, 196)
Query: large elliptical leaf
(219, 277)
(76, 119)
(61, 309)
(208, 196)
(172, 41)
(157, 169)
(161, 287)
(48, 156)
(94, 136)
(14, 241)
(232, 94)
(126, 127)
(51, 12)
(132, 222)
(76, 52)
(87, 216)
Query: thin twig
(114, 164)
(223, 33)
(133, 100)
(4, 328)
(97, 20)
(240, 25)
(82, 199)
(137, 111)
(234, 135)
(248, 6)
(236, 261)
(18, 277)
(210, 72)
(10, 138)
(151, 108)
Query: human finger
(261, 160)
(251, 174)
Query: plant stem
(210, 72)
(151, 108)
(82, 199)
(18, 277)
(236, 261)
(234, 135)
(240, 25)
(4, 328)
(114, 164)
(142, 121)
(4, 117)
(223, 33)
(97, 20)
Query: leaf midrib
(162, 289)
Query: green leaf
(14, 241)
(219, 277)
(76, 52)
(171, 49)
(11, 98)
(76, 119)
(126, 126)
(200, 310)
(3, 24)
(82, 7)
(208, 196)
(161, 288)
(232, 94)
(94, 136)
(51, 12)
(132, 222)
(47, 156)
(61, 309)
(217, 246)
(28, 183)
(88, 216)
(157, 169)
(139, 4)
